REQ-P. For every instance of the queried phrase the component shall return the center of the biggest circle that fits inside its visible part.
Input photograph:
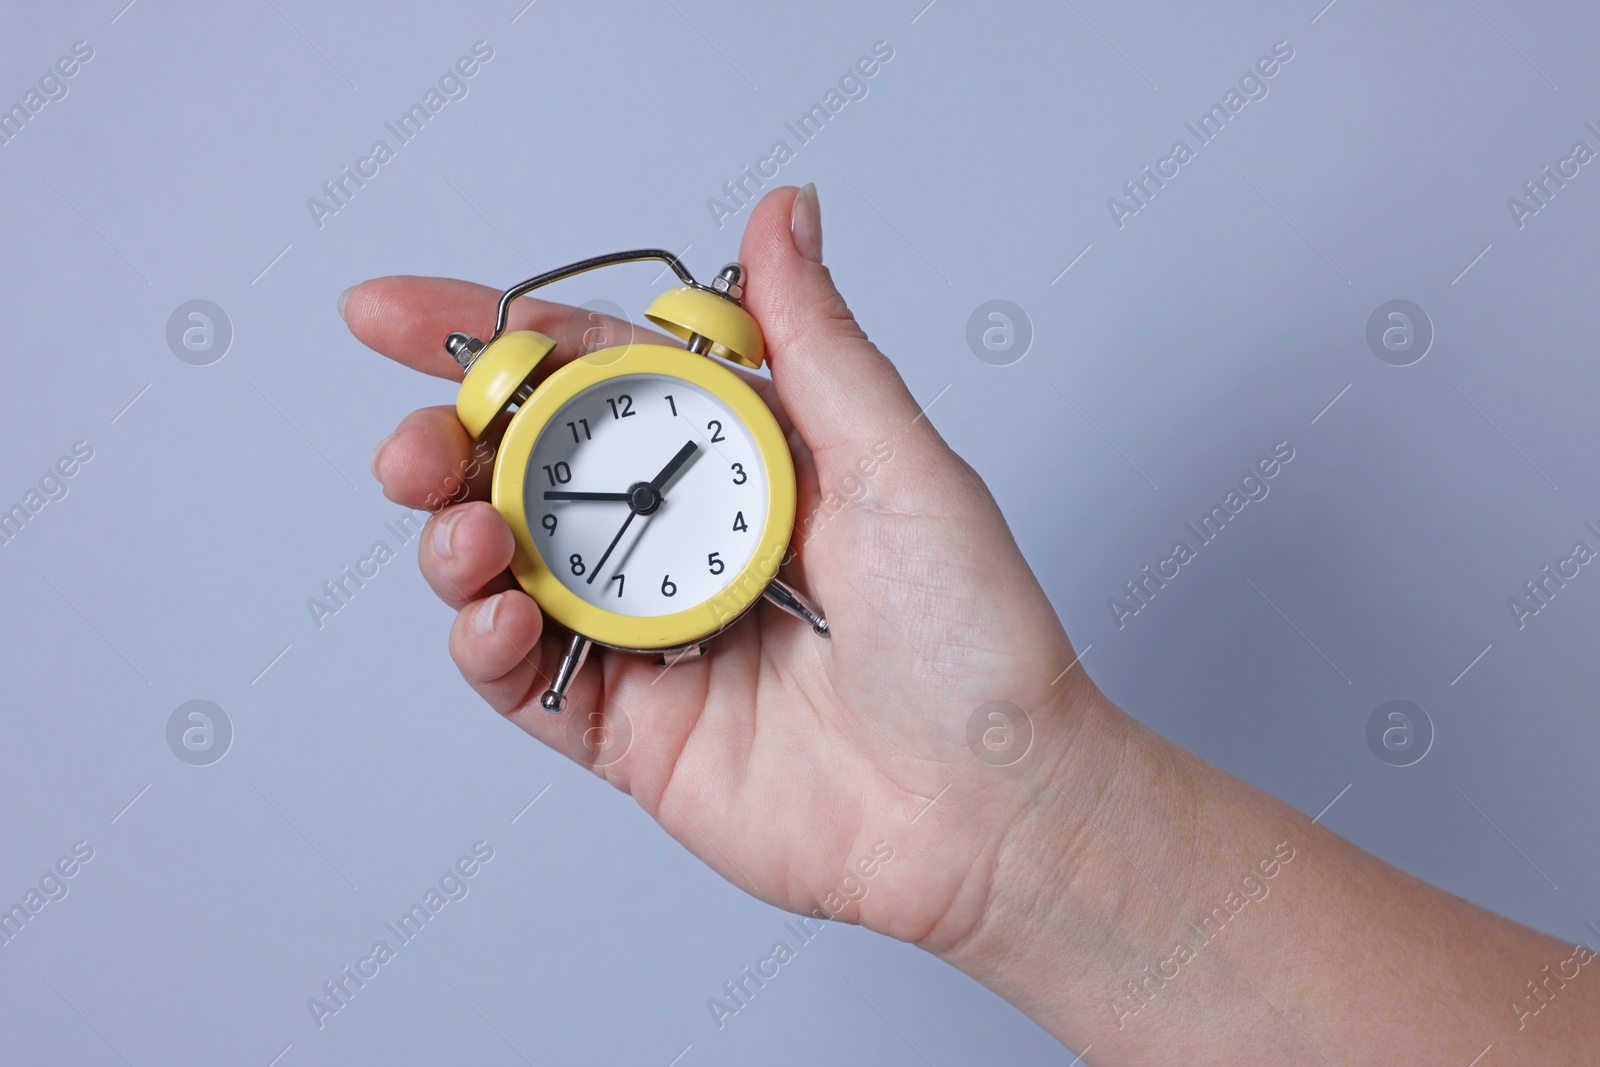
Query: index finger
(407, 318)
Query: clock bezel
(632, 632)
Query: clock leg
(790, 600)
(555, 698)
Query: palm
(782, 759)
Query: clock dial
(646, 495)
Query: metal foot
(790, 600)
(555, 698)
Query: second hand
(595, 573)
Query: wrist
(1067, 901)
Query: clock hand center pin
(644, 498)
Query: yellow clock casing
(498, 398)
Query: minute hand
(672, 466)
(562, 494)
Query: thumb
(834, 383)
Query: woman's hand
(1132, 899)
(791, 764)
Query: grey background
(1221, 319)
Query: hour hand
(672, 466)
(562, 494)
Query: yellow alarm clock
(649, 489)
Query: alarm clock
(649, 489)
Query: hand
(1075, 883)
(781, 759)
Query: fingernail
(805, 223)
(441, 533)
(483, 618)
(343, 297)
(377, 454)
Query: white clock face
(612, 528)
